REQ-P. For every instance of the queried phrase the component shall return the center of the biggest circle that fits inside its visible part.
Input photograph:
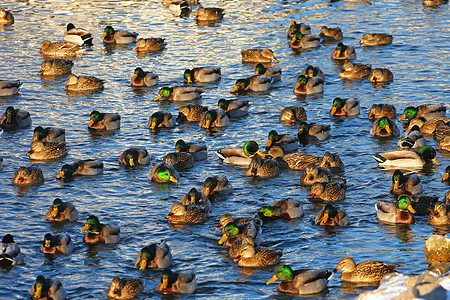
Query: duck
(57, 244)
(399, 212)
(60, 50)
(444, 144)
(377, 111)
(380, 75)
(161, 119)
(313, 132)
(330, 215)
(150, 45)
(333, 162)
(427, 111)
(209, 14)
(264, 257)
(446, 178)
(368, 271)
(300, 282)
(202, 74)
(56, 67)
(143, 79)
(233, 108)
(423, 205)
(442, 130)
(440, 215)
(181, 161)
(47, 288)
(10, 252)
(47, 150)
(292, 115)
(216, 187)
(232, 231)
(136, 156)
(412, 139)
(407, 158)
(303, 41)
(214, 118)
(77, 36)
(28, 175)
(258, 56)
(405, 184)
(187, 214)
(179, 93)
(355, 71)
(83, 83)
(331, 34)
(235, 249)
(111, 36)
(197, 149)
(104, 121)
(6, 17)
(84, 167)
(343, 52)
(191, 113)
(307, 85)
(99, 233)
(125, 288)
(9, 87)
(376, 39)
(255, 83)
(180, 9)
(272, 72)
(430, 127)
(328, 191)
(287, 209)
(226, 219)
(301, 27)
(347, 107)
(287, 142)
(163, 172)
(154, 256)
(180, 282)
(49, 134)
(14, 119)
(433, 3)
(263, 168)
(311, 71)
(197, 198)
(240, 156)
(313, 174)
(61, 211)
(385, 128)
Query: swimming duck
(150, 45)
(258, 56)
(264, 168)
(28, 175)
(249, 257)
(84, 167)
(397, 213)
(61, 211)
(49, 134)
(234, 108)
(272, 72)
(125, 288)
(446, 178)
(440, 215)
(313, 132)
(307, 85)
(328, 191)
(209, 14)
(444, 144)
(293, 114)
(6, 17)
(405, 184)
(311, 71)
(60, 50)
(14, 119)
(412, 139)
(180, 282)
(385, 128)
(423, 205)
(331, 34)
(380, 75)
(287, 208)
(180, 160)
(197, 198)
(154, 256)
(343, 52)
(100, 233)
(368, 271)
(255, 83)
(202, 74)
(300, 282)
(47, 288)
(240, 155)
(376, 39)
(347, 107)
(9, 87)
(301, 27)
(442, 130)
(57, 244)
(407, 158)
(141, 78)
(47, 150)
(163, 172)
(299, 161)
(77, 36)
(303, 41)
(56, 67)
(136, 156)
(179, 93)
(313, 174)
(235, 249)
(104, 121)
(187, 214)
(287, 142)
(191, 113)
(197, 149)
(227, 219)
(431, 126)
(180, 8)
(111, 36)
(332, 216)
(214, 118)
(355, 71)
(377, 111)
(161, 119)
(216, 187)
(10, 254)
(427, 111)
(83, 83)
(231, 232)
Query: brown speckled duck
(55, 67)
(209, 14)
(258, 56)
(376, 39)
(187, 214)
(264, 168)
(28, 175)
(150, 45)
(180, 160)
(355, 71)
(249, 257)
(293, 114)
(440, 216)
(60, 50)
(377, 111)
(380, 75)
(125, 288)
(369, 271)
(83, 83)
(331, 34)
(47, 150)
(191, 113)
(328, 191)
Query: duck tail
(220, 154)
(379, 158)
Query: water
(419, 59)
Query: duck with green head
(405, 183)
(47, 288)
(232, 232)
(14, 119)
(306, 85)
(61, 211)
(104, 121)
(57, 244)
(202, 74)
(310, 132)
(111, 36)
(287, 142)
(179, 93)
(298, 27)
(407, 158)
(135, 157)
(163, 173)
(332, 216)
(311, 71)
(154, 256)
(49, 134)
(427, 111)
(398, 212)
(233, 108)
(256, 83)
(196, 198)
(287, 209)
(214, 118)
(342, 52)
(217, 187)
(304, 41)
(87, 167)
(142, 79)
(100, 233)
(272, 72)
(180, 282)
(241, 156)
(161, 119)
(197, 149)
(347, 107)
(384, 127)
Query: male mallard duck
(77, 36)
(397, 213)
(248, 257)
(180, 160)
(331, 34)
(444, 144)
(313, 132)
(287, 142)
(203, 74)
(380, 75)
(136, 156)
(197, 149)
(83, 83)
(214, 118)
(100, 233)
(233, 108)
(332, 216)
(427, 111)
(377, 111)
(343, 52)
(180, 282)
(307, 85)
(272, 72)
(258, 56)
(49, 134)
(187, 214)
(293, 114)
(376, 39)
(57, 244)
(232, 231)
(28, 175)
(84, 167)
(47, 150)
(180, 8)
(47, 288)
(150, 45)
(255, 83)
(104, 121)
(197, 198)
(162, 173)
(304, 41)
(6, 17)
(287, 209)
(301, 27)
(300, 282)
(9, 87)
(405, 184)
(431, 126)
(111, 36)
(14, 119)
(216, 187)
(368, 271)
(10, 254)
(56, 67)
(60, 50)
(179, 93)
(125, 288)
(240, 155)
(311, 71)
(313, 174)
(355, 71)
(141, 78)
(446, 178)
(209, 14)
(407, 158)
(385, 128)
(440, 216)
(61, 211)
(154, 256)
(161, 119)
(264, 168)
(412, 139)
(328, 191)
(191, 113)
(347, 107)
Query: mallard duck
(60, 50)
(227, 219)
(355, 71)
(385, 128)
(104, 121)
(203, 74)
(258, 56)
(301, 27)
(377, 111)
(57, 244)
(180, 282)
(332, 216)
(137, 156)
(234, 108)
(272, 72)
(446, 178)
(209, 14)
(83, 83)
(287, 142)
(405, 184)
(14, 119)
(56, 67)
(444, 144)
(313, 132)
(49, 134)
(300, 282)
(235, 249)
(187, 214)
(347, 107)
(9, 87)
(307, 85)
(28, 175)
(255, 83)
(141, 78)
(343, 52)
(442, 130)
(397, 213)
(161, 119)
(10, 254)
(232, 231)
(240, 155)
(249, 257)
(333, 162)
(440, 215)
(47, 288)
(77, 36)
(61, 211)
(380, 75)
(197, 149)
(407, 158)
(293, 114)
(100, 233)
(125, 288)
(433, 3)
(111, 36)
(328, 191)
(150, 45)
(412, 139)
(304, 41)
(368, 271)
(299, 161)
(376, 39)
(84, 167)
(287, 208)
(154, 256)
(162, 173)
(214, 118)
(180, 160)
(216, 187)
(191, 113)
(423, 205)
(427, 111)
(264, 168)
(311, 71)
(47, 150)
(6, 17)
(197, 198)
(180, 8)
(179, 93)
(331, 34)
(431, 126)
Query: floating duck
(368, 271)
(47, 150)
(331, 34)
(14, 119)
(264, 257)
(347, 107)
(187, 214)
(61, 211)
(307, 85)
(83, 83)
(377, 111)
(143, 79)
(10, 254)
(111, 36)
(355, 71)
(154, 256)
(258, 56)
(398, 212)
(343, 52)
(241, 156)
(427, 111)
(376, 39)
(137, 156)
(385, 128)
(311, 71)
(209, 14)
(180, 282)
(332, 216)
(161, 119)
(163, 173)
(293, 114)
(56, 67)
(150, 45)
(263, 168)
(57, 244)
(60, 50)
(180, 160)
(49, 134)
(104, 121)
(405, 184)
(380, 75)
(28, 175)
(125, 288)
(202, 74)
(9, 87)
(217, 187)
(407, 158)
(197, 149)
(179, 93)
(47, 288)
(412, 139)
(100, 233)
(83, 167)
(77, 36)
(214, 118)
(272, 72)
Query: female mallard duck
(376, 39)
(412, 139)
(125, 288)
(430, 127)
(6, 17)
(355, 71)
(311, 71)
(307, 85)
(203, 74)
(60, 50)
(163, 173)
(440, 215)
(287, 142)
(272, 72)
(300, 282)
(444, 144)
(180, 160)
(54, 67)
(104, 121)
(142, 79)
(57, 244)
(248, 257)
(240, 156)
(84, 167)
(331, 34)
(197, 149)
(179, 93)
(405, 184)
(83, 83)
(209, 14)
(47, 150)
(150, 45)
(427, 111)
(385, 128)
(368, 271)
(380, 75)
(233, 108)
(333, 162)
(180, 282)
(377, 111)
(232, 232)
(287, 209)
(9, 87)
(61, 211)
(264, 168)
(197, 198)
(214, 118)
(332, 216)
(135, 157)
(258, 56)
(187, 214)
(77, 36)
(347, 107)
(191, 113)
(293, 114)
(161, 119)
(313, 174)
(446, 178)
(10, 254)
(216, 187)
(49, 134)
(442, 130)
(28, 175)
(397, 213)
(298, 27)
(111, 36)
(47, 288)
(313, 132)
(303, 41)
(154, 256)
(328, 191)
(14, 119)
(407, 158)
(343, 52)
(100, 233)
(255, 83)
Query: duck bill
(223, 239)
(402, 118)
(396, 183)
(134, 77)
(388, 129)
(208, 124)
(435, 161)
(338, 53)
(47, 243)
(445, 177)
(153, 126)
(54, 212)
(38, 292)
(86, 227)
(41, 72)
(30, 152)
(169, 216)
(193, 200)
(269, 143)
(165, 283)
(143, 264)
(275, 59)
(293, 39)
(273, 279)
(312, 195)
(308, 176)
(235, 89)
(207, 191)
(131, 162)
(327, 164)
(60, 175)
(173, 179)
(189, 80)
(91, 122)
(237, 258)
(103, 35)
(325, 218)
(333, 111)
(218, 227)
(439, 147)
(157, 97)
(263, 155)
(297, 86)
(411, 209)
(409, 127)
